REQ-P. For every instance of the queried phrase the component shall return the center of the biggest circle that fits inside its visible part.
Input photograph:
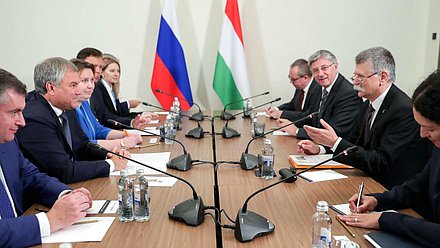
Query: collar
(378, 102)
(329, 88)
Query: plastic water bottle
(267, 160)
(125, 198)
(247, 109)
(141, 197)
(176, 106)
(169, 130)
(322, 226)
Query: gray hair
(9, 82)
(51, 70)
(381, 60)
(322, 54)
(303, 67)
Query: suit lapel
(107, 99)
(333, 92)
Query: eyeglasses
(292, 79)
(360, 78)
(323, 68)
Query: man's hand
(291, 130)
(308, 147)
(326, 136)
(134, 103)
(120, 163)
(140, 122)
(273, 112)
(86, 193)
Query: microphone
(197, 116)
(181, 163)
(196, 133)
(228, 116)
(249, 225)
(228, 132)
(190, 211)
(288, 173)
(249, 161)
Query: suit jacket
(43, 142)
(340, 110)
(312, 101)
(425, 186)
(102, 107)
(23, 178)
(393, 151)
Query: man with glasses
(306, 95)
(390, 149)
(338, 103)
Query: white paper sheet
(153, 122)
(262, 114)
(157, 160)
(132, 132)
(82, 232)
(161, 181)
(280, 133)
(323, 175)
(111, 208)
(313, 159)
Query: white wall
(276, 32)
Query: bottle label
(326, 237)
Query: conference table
(289, 206)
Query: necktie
(370, 112)
(322, 104)
(6, 210)
(301, 100)
(66, 128)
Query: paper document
(150, 128)
(261, 114)
(280, 133)
(161, 181)
(82, 232)
(154, 131)
(305, 161)
(153, 122)
(157, 160)
(103, 207)
(323, 175)
(343, 209)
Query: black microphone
(249, 161)
(197, 116)
(190, 211)
(249, 225)
(196, 133)
(288, 173)
(228, 116)
(228, 132)
(181, 163)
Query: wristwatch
(122, 143)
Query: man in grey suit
(390, 149)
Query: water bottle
(169, 130)
(247, 109)
(254, 121)
(322, 226)
(125, 198)
(141, 197)
(176, 105)
(267, 158)
(162, 133)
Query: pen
(144, 146)
(85, 222)
(361, 189)
(104, 206)
(346, 227)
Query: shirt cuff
(64, 192)
(322, 149)
(336, 144)
(44, 224)
(111, 164)
(128, 104)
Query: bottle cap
(140, 171)
(322, 206)
(124, 173)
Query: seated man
(53, 139)
(390, 149)
(307, 94)
(338, 103)
(18, 177)
(422, 190)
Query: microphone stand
(249, 225)
(197, 116)
(229, 132)
(249, 161)
(191, 211)
(228, 116)
(181, 163)
(218, 227)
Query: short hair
(426, 97)
(87, 52)
(322, 54)
(303, 67)
(51, 70)
(82, 64)
(381, 60)
(10, 82)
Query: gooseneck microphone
(249, 225)
(181, 163)
(249, 161)
(197, 116)
(190, 211)
(228, 132)
(228, 116)
(196, 133)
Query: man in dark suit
(20, 181)
(53, 139)
(390, 149)
(307, 94)
(338, 104)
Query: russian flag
(169, 72)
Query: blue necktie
(6, 210)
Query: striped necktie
(6, 209)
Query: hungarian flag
(169, 72)
(231, 81)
